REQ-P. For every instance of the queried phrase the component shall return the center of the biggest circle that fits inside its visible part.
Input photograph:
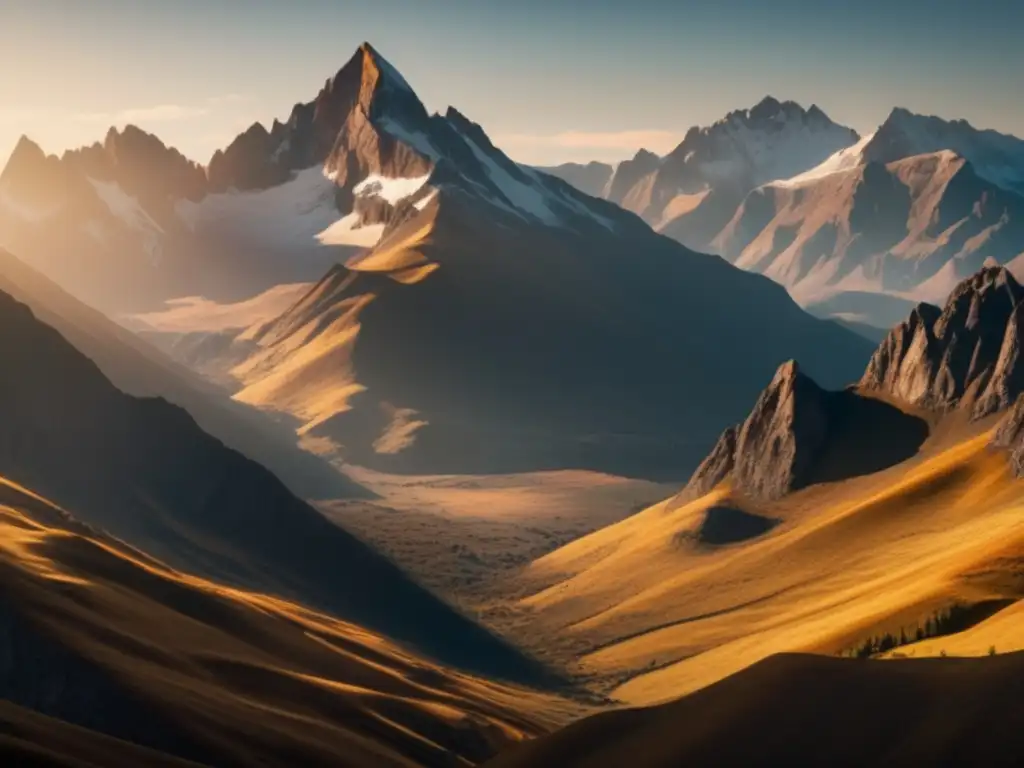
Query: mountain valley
(363, 443)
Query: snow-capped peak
(771, 140)
(995, 156)
(390, 75)
(843, 160)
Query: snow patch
(568, 199)
(524, 197)
(423, 202)
(125, 207)
(348, 231)
(391, 190)
(843, 160)
(290, 215)
(789, 150)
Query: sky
(549, 80)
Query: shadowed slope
(547, 329)
(31, 740)
(513, 336)
(139, 369)
(143, 470)
(799, 434)
(102, 636)
(806, 710)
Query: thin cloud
(657, 141)
(162, 113)
(18, 115)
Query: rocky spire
(774, 450)
(339, 129)
(966, 354)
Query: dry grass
(462, 535)
(191, 314)
(257, 679)
(647, 612)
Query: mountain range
(512, 295)
(855, 227)
(403, 362)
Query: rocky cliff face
(774, 450)
(339, 129)
(799, 434)
(966, 354)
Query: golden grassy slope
(255, 679)
(190, 314)
(303, 362)
(665, 616)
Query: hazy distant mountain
(591, 178)
(499, 319)
(908, 211)
(692, 192)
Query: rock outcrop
(799, 434)
(964, 355)
(773, 452)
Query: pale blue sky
(549, 80)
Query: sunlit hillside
(665, 612)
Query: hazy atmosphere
(511, 384)
(564, 80)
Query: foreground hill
(112, 658)
(545, 328)
(142, 470)
(807, 710)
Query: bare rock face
(337, 129)
(964, 355)
(773, 452)
(628, 174)
(1009, 436)
(716, 467)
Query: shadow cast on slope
(142, 470)
(866, 436)
(807, 710)
(552, 349)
